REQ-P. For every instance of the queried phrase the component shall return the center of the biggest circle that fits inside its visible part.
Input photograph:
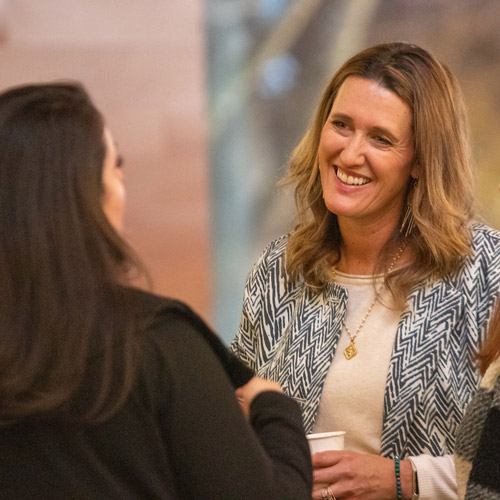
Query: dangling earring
(408, 220)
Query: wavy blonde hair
(442, 200)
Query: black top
(181, 434)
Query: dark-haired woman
(107, 392)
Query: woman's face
(113, 198)
(366, 154)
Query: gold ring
(331, 496)
(324, 494)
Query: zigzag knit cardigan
(477, 452)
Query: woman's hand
(358, 476)
(246, 393)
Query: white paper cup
(325, 441)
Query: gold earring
(409, 220)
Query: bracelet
(399, 494)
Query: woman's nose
(353, 152)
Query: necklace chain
(350, 351)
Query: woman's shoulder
(273, 256)
(485, 247)
(148, 304)
(168, 321)
(484, 235)
(270, 267)
(156, 312)
(484, 255)
(276, 248)
(481, 267)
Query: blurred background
(206, 100)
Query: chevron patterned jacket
(289, 334)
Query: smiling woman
(369, 312)
(365, 159)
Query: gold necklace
(350, 351)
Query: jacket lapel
(421, 339)
(313, 338)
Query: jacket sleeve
(245, 343)
(263, 275)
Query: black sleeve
(238, 372)
(218, 455)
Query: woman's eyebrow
(376, 129)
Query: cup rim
(321, 435)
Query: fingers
(325, 473)
(325, 493)
(327, 458)
(246, 393)
(352, 475)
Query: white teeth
(349, 179)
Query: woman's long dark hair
(64, 327)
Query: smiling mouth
(351, 180)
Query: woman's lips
(351, 180)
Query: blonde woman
(369, 312)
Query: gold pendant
(350, 351)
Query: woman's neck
(361, 247)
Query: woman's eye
(340, 126)
(383, 141)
